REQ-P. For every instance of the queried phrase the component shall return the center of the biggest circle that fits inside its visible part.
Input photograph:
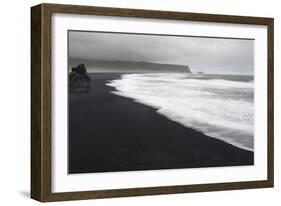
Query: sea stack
(79, 80)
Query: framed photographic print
(130, 102)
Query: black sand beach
(109, 133)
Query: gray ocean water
(220, 106)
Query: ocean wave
(219, 108)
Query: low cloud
(213, 55)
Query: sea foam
(219, 108)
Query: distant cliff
(131, 67)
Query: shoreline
(108, 133)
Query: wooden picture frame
(41, 116)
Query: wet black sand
(109, 133)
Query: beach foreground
(110, 133)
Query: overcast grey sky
(210, 55)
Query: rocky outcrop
(79, 80)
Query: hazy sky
(210, 55)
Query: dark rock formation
(79, 80)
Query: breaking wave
(216, 106)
